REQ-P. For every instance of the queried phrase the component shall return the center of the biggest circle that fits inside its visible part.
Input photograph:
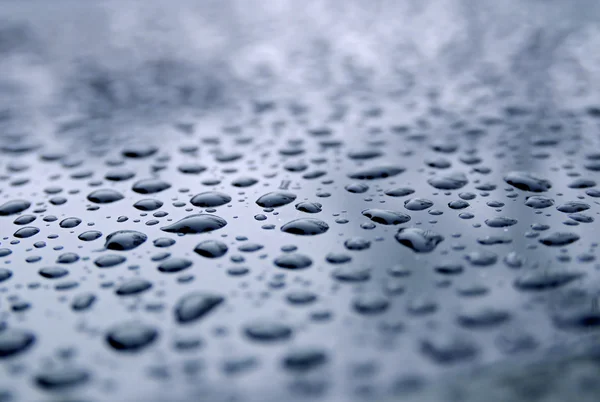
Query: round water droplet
(133, 287)
(26, 232)
(304, 359)
(452, 181)
(481, 258)
(305, 227)
(210, 199)
(546, 280)
(399, 192)
(15, 341)
(131, 336)
(500, 222)
(275, 199)
(309, 207)
(105, 196)
(53, 272)
(370, 304)
(417, 204)
(174, 265)
(196, 305)
(148, 204)
(386, 217)
(61, 379)
(124, 240)
(419, 240)
(573, 206)
(539, 201)
(211, 249)
(14, 207)
(268, 331)
(527, 182)
(374, 173)
(293, 261)
(69, 223)
(109, 260)
(90, 235)
(195, 224)
(150, 186)
(559, 239)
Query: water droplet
(211, 249)
(399, 192)
(26, 232)
(444, 349)
(268, 331)
(304, 359)
(14, 207)
(419, 240)
(500, 222)
(131, 336)
(210, 199)
(53, 272)
(174, 265)
(573, 206)
(150, 186)
(452, 181)
(104, 196)
(196, 305)
(275, 199)
(481, 258)
(69, 223)
(417, 204)
(109, 260)
(305, 227)
(527, 182)
(123, 240)
(380, 172)
(546, 280)
(83, 301)
(539, 201)
(293, 261)
(15, 341)
(62, 378)
(386, 217)
(370, 304)
(309, 207)
(148, 204)
(195, 224)
(90, 235)
(133, 286)
(559, 239)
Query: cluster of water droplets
(289, 246)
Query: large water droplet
(305, 227)
(195, 224)
(275, 199)
(419, 240)
(131, 336)
(14, 207)
(211, 248)
(386, 217)
(210, 199)
(527, 182)
(196, 305)
(105, 196)
(125, 240)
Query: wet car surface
(189, 215)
